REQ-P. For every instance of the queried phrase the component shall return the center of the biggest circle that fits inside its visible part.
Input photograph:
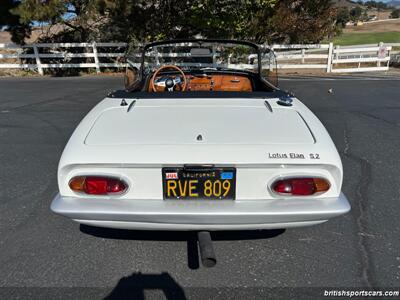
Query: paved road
(40, 249)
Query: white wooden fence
(336, 59)
(312, 56)
(53, 51)
(378, 58)
(325, 57)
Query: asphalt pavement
(51, 254)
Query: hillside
(345, 3)
(394, 3)
(389, 25)
(381, 14)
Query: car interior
(197, 81)
(208, 67)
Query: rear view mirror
(200, 52)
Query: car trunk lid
(199, 122)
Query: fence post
(38, 62)
(96, 58)
(157, 59)
(337, 53)
(303, 53)
(378, 63)
(388, 62)
(329, 62)
(214, 58)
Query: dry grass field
(387, 31)
(392, 25)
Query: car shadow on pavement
(189, 236)
(140, 286)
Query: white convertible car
(201, 139)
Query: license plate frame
(220, 178)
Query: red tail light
(97, 185)
(300, 186)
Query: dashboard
(204, 82)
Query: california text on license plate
(199, 183)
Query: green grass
(355, 38)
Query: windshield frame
(222, 41)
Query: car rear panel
(252, 182)
(200, 215)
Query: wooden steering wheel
(170, 82)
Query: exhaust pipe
(207, 254)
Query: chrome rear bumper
(200, 215)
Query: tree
(78, 18)
(374, 4)
(303, 21)
(395, 13)
(364, 15)
(343, 16)
(148, 20)
(153, 20)
(355, 13)
(12, 21)
(259, 21)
